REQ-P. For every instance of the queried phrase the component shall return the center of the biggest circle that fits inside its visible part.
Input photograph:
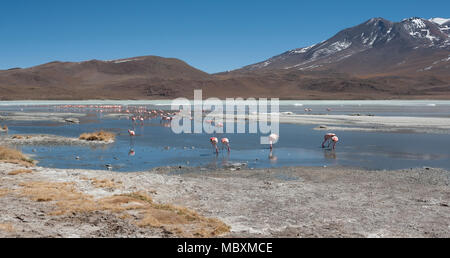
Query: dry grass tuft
(14, 156)
(4, 127)
(3, 192)
(98, 136)
(104, 183)
(6, 227)
(20, 171)
(178, 220)
(21, 137)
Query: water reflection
(329, 154)
(273, 159)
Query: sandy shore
(363, 122)
(42, 116)
(46, 139)
(284, 202)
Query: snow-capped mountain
(377, 45)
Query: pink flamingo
(335, 139)
(226, 142)
(214, 142)
(131, 133)
(330, 137)
(273, 138)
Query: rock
(235, 166)
(72, 120)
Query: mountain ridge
(377, 59)
(408, 37)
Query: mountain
(137, 77)
(377, 46)
(377, 59)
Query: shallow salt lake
(156, 145)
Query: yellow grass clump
(98, 136)
(21, 137)
(4, 127)
(20, 171)
(3, 192)
(6, 227)
(14, 156)
(102, 183)
(178, 220)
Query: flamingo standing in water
(214, 142)
(273, 138)
(226, 142)
(332, 138)
(132, 135)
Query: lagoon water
(156, 145)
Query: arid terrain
(174, 202)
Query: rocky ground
(172, 202)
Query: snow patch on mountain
(331, 49)
(124, 60)
(439, 21)
(302, 50)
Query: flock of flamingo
(140, 113)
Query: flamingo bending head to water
(214, 142)
(273, 138)
(131, 133)
(226, 142)
(334, 139)
(327, 137)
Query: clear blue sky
(212, 35)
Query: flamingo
(226, 142)
(214, 142)
(330, 137)
(335, 139)
(273, 138)
(132, 134)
